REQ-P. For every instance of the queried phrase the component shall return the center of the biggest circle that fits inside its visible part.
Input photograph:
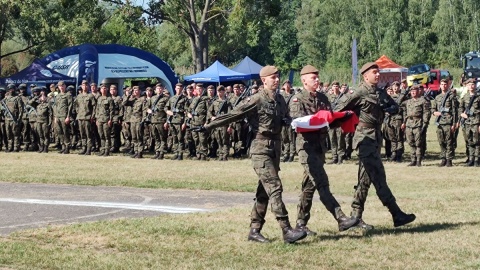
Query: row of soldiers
(102, 121)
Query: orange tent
(390, 71)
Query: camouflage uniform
(198, 109)
(288, 134)
(85, 108)
(43, 123)
(62, 110)
(445, 122)
(265, 116)
(395, 133)
(104, 116)
(370, 102)
(116, 129)
(13, 127)
(471, 125)
(416, 115)
(138, 113)
(311, 149)
(178, 104)
(239, 133)
(159, 118)
(337, 137)
(221, 107)
(127, 134)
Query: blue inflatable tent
(217, 73)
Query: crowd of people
(96, 120)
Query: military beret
(220, 88)
(396, 83)
(60, 83)
(84, 82)
(179, 84)
(93, 84)
(70, 87)
(335, 83)
(471, 80)
(404, 81)
(22, 86)
(286, 81)
(415, 87)
(268, 70)
(367, 67)
(308, 69)
(159, 85)
(11, 86)
(37, 89)
(211, 87)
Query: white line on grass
(158, 208)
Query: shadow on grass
(421, 228)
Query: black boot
(107, 152)
(345, 223)
(477, 163)
(302, 227)
(399, 217)
(291, 235)
(67, 150)
(40, 149)
(413, 162)
(161, 156)
(292, 157)
(180, 156)
(83, 151)
(139, 155)
(45, 148)
(256, 236)
(286, 158)
(449, 163)
(442, 163)
(134, 155)
(89, 151)
(361, 224)
(157, 154)
(471, 162)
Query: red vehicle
(436, 75)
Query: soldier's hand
(198, 129)
(165, 126)
(67, 120)
(403, 127)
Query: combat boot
(442, 163)
(291, 235)
(134, 155)
(107, 152)
(161, 156)
(393, 157)
(25, 148)
(83, 151)
(292, 157)
(419, 162)
(413, 162)
(101, 153)
(89, 151)
(449, 163)
(345, 223)
(357, 213)
(67, 150)
(203, 157)
(477, 163)
(175, 157)
(40, 149)
(256, 236)
(399, 157)
(139, 155)
(286, 158)
(303, 227)
(399, 217)
(180, 156)
(333, 161)
(340, 160)
(45, 148)
(157, 154)
(471, 162)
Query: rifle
(245, 94)
(9, 113)
(220, 109)
(442, 104)
(174, 109)
(468, 110)
(148, 118)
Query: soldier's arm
(111, 107)
(20, 109)
(239, 112)
(69, 106)
(434, 105)
(426, 112)
(404, 111)
(349, 102)
(455, 106)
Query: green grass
(444, 236)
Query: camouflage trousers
(472, 136)
(3, 139)
(136, 129)
(104, 133)
(288, 141)
(13, 133)
(26, 130)
(445, 138)
(43, 131)
(370, 171)
(160, 135)
(311, 154)
(337, 140)
(127, 135)
(414, 139)
(223, 140)
(62, 131)
(178, 137)
(266, 163)
(395, 135)
(201, 143)
(85, 128)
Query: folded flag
(323, 118)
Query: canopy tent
(217, 73)
(248, 66)
(37, 73)
(390, 71)
(111, 64)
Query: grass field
(444, 236)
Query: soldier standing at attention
(116, 119)
(372, 103)
(337, 136)
(445, 111)
(311, 154)
(85, 107)
(416, 112)
(26, 127)
(44, 120)
(394, 128)
(104, 116)
(13, 118)
(175, 109)
(288, 133)
(220, 106)
(469, 111)
(267, 113)
(95, 135)
(127, 112)
(3, 139)
(62, 111)
(159, 118)
(138, 113)
(197, 113)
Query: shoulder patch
(295, 99)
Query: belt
(260, 136)
(366, 125)
(415, 118)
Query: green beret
(268, 70)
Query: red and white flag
(322, 119)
